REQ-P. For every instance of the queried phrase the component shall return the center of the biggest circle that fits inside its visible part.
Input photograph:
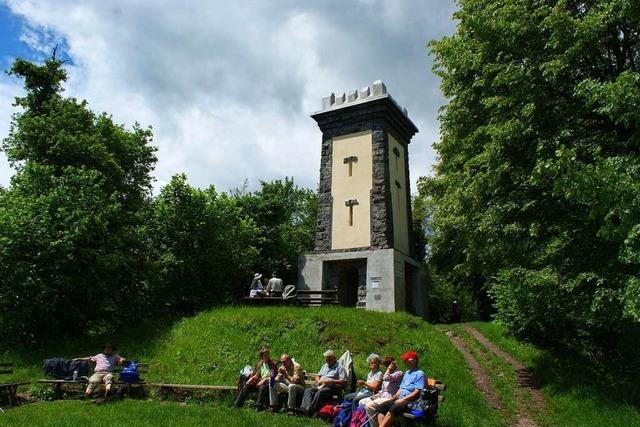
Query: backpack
(359, 418)
(427, 405)
(129, 373)
(343, 417)
(328, 412)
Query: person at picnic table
(256, 289)
(412, 384)
(330, 380)
(106, 363)
(390, 385)
(289, 380)
(275, 286)
(259, 381)
(371, 385)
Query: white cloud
(228, 86)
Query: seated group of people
(260, 287)
(384, 394)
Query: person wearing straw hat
(256, 289)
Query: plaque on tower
(364, 206)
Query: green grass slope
(578, 393)
(211, 347)
(142, 414)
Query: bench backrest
(6, 368)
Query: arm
(297, 375)
(393, 377)
(410, 397)
(373, 386)
(121, 360)
(82, 359)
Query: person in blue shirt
(330, 380)
(413, 382)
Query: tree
(73, 249)
(286, 218)
(537, 192)
(204, 247)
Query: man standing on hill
(106, 363)
(329, 381)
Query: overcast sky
(228, 86)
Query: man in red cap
(412, 384)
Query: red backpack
(328, 412)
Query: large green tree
(286, 218)
(536, 198)
(204, 246)
(72, 239)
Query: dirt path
(526, 379)
(480, 375)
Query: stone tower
(364, 242)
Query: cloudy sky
(228, 86)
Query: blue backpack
(343, 418)
(129, 373)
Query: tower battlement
(376, 91)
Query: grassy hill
(210, 348)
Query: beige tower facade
(363, 240)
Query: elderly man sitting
(290, 380)
(330, 381)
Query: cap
(264, 350)
(409, 355)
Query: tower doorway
(346, 277)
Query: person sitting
(106, 363)
(390, 385)
(330, 380)
(412, 384)
(259, 381)
(290, 380)
(275, 286)
(371, 385)
(256, 289)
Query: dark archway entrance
(346, 276)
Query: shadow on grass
(608, 382)
(138, 342)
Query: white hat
(257, 276)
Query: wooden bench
(59, 385)
(8, 391)
(166, 388)
(317, 298)
(304, 297)
(268, 300)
